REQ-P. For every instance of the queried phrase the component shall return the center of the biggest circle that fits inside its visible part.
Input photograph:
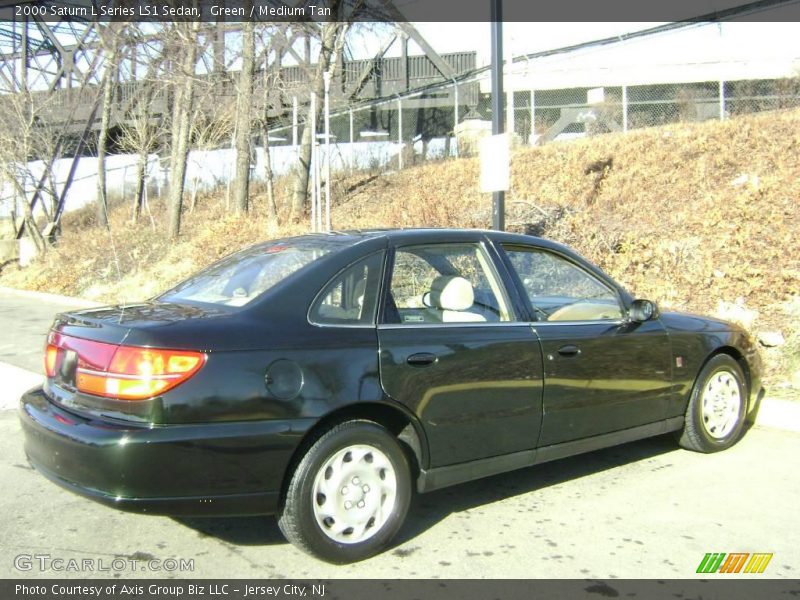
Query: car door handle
(569, 350)
(422, 359)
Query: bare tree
(25, 135)
(271, 83)
(181, 126)
(332, 37)
(139, 130)
(243, 120)
(272, 208)
(110, 41)
(139, 134)
(212, 124)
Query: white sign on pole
(495, 159)
(595, 96)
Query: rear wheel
(349, 495)
(717, 407)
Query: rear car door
(602, 372)
(451, 351)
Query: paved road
(646, 509)
(24, 322)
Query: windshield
(242, 277)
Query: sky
(741, 39)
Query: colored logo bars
(735, 562)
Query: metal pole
(352, 141)
(294, 122)
(327, 80)
(455, 114)
(498, 198)
(319, 189)
(227, 171)
(532, 137)
(312, 113)
(25, 57)
(400, 133)
(510, 115)
(721, 100)
(295, 147)
(625, 108)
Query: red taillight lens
(125, 372)
(139, 373)
(50, 358)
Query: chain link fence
(541, 116)
(391, 134)
(407, 131)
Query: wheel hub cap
(354, 493)
(721, 403)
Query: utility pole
(327, 80)
(498, 197)
(312, 112)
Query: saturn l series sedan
(324, 378)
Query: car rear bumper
(198, 469)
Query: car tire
(717, 407)
(349, 494)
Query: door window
(351, 296)
(559, 290)
(444, 283)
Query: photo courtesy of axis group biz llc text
(172, 590)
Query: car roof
(433, 234)
(372, 238)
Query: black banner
(399, 10)
(376, 589)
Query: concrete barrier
(9, 250)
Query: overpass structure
(66, 62)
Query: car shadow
(429, 509)
(239, 531)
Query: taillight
(50, 358)
(124, 372)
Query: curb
(779, 414)
(77, 302)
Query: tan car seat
(454, 296)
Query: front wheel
(349, 495)
(716, 412)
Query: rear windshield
(242, 277)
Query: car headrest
(451, 293)
(359, 291)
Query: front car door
(452, 351)
(602, 372)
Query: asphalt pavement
(646, 509)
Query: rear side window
(351, 297)
(444, 283)
(240, 278)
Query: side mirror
(642, 310)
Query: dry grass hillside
(703, 217)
